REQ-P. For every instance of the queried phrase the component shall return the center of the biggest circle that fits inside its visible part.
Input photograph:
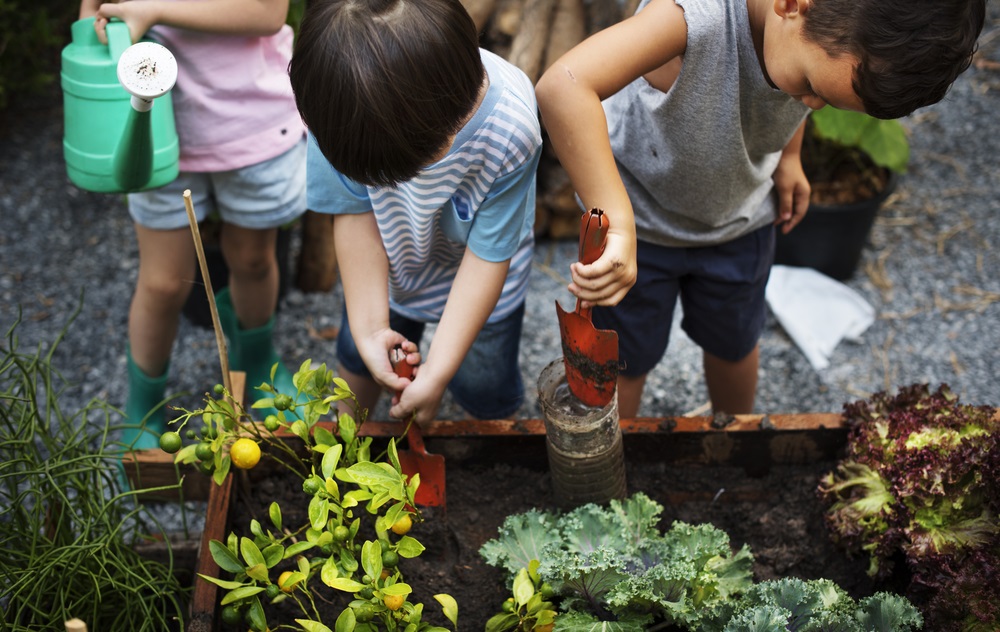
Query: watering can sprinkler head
(147, 70)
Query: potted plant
(852, 161)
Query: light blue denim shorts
(265, 195)
(488, 384)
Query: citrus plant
(360, 510)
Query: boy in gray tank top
(684, 124)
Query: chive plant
(67, 529)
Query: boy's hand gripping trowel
(416, 460)
(590, 355)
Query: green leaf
(297, 548)
(371, 558)
(251, 554)
(449, 606)
(255, 615)
(221, 583)
(330, 460)
(220, 473)
(329, 571)
(274, 513)
(502, 623)
(397, 589)
(257, 572)
(273, 554)
(319, 511)
(313, 626)
(300, 430)
(346, 621)
(346, 584)
(240, 594)
(523, 588)
(324, 436)
(409, 547)
(225, 558)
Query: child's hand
(375, 349)
(421, 398)
(139, 16)
(793, 189)
(607, 280)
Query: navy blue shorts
(488, 384)
(722, 295)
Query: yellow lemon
(245, 453)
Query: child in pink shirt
(242, 156)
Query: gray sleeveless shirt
(697, 160)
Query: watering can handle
(118, 39)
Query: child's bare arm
(364, 277)
(569, 98)
(791, 184)
(226, 17)
(472, 298)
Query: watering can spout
(146, 70)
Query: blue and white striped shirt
(480, 196)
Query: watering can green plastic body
(109, 144)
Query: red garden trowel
(417, 460)
(590, 355)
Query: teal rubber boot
(252, 351)
(145, 409)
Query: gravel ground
(929, 271)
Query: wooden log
(317, 269)
(506, 20)
(603, 13)
(528, 46)
(480, 11)
(569, 28)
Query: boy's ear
(791, 8)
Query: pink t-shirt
(233, 101)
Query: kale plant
(612, 568)
(921, 481)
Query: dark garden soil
(773, 509)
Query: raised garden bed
(752, 476)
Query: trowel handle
(593, 234)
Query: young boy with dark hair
(425, 148)
(684, 124)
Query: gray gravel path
(930, 272)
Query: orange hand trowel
(416, 460)
(589, 354)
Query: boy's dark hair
(910, 51)
(384, 84)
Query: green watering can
(114, 141)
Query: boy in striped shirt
(425, 148)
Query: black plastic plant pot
(831, 238)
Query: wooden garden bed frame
(750, 441)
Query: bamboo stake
(76, 625)
(220, 338)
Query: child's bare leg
(732, 386)
(166, 275)
(364, 388)
(630, 395)
(253, 273)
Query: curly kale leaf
(522, 538)
(795, 605)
